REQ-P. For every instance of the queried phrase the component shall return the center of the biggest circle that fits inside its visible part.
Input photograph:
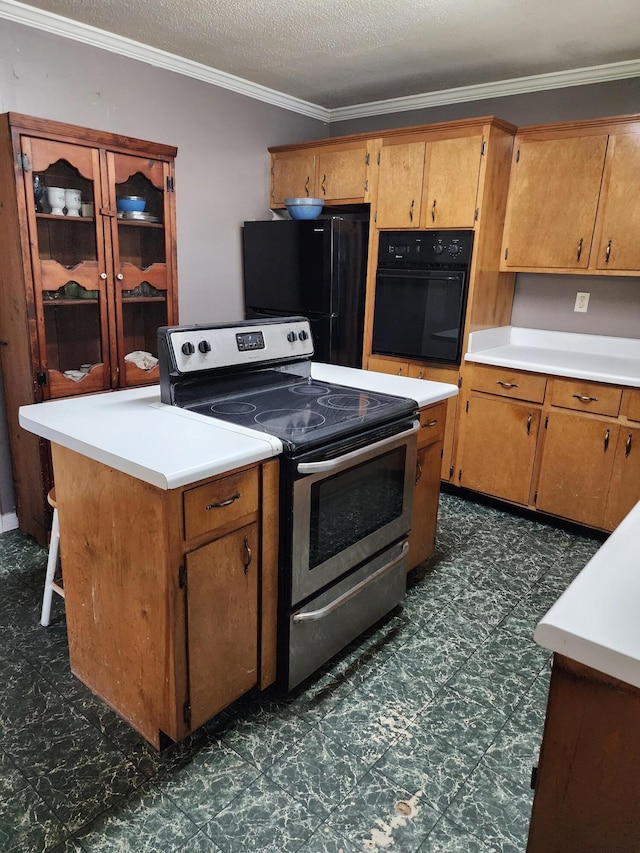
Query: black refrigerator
(315, 268)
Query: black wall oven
(421, 294)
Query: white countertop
(595, 621)
(133, 432)
(593, 357)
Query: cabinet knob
(103, 275)
(119, 276)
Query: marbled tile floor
(420, 737)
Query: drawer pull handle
(579, 249)
(228, 502)
(606, 440)
(430, 424)
(584, 399)
(506, 384)
(608, 252)
(627, 446)
(248, 554)
(529, 419)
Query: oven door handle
(314, 615)
(332, 464)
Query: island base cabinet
(586, 798)
(222, 622)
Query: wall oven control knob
(303, 335)
(188, 348)
(454, 249)
(204, 346)
(291, 337)
(438, 249)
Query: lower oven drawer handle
(314, 615)
(331, 464)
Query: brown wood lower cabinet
(586, 798)
(577, 463)
(566, 447)
(499, 448)
(170, 596)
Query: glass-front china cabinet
(88, 274)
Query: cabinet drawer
(509, 383)
(220, 503)
(632, 400)
(585, 396)
(432, 421)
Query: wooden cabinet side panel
(116, 587)
(222, 622)
(268, 593)
(422, 537)
(586, 795)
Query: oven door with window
(348, 507)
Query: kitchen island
(589, 773)
(169, 539)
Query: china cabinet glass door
(63, 192)
(141, 267)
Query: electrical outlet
(582, 302)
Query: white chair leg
(52, 562)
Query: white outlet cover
(582, 302)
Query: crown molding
(22, 14)
(500, 89)
(60, 26)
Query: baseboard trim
(8, 521)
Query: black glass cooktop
(306, 412)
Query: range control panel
(424, 248)
(191, 349)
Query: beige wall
(221, 168)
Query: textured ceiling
(337, 53)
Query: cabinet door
(499, 446)
(619, 212)
(142, 265)
(400, 185)
(577, 461)
(342, 175)
(222, 622)
(69, 266)
(452, 170)
(553, 196)
(292, 176)
(624, 491)
(424, 518)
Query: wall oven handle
(331, 464)
(314, 615)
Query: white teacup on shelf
(56, 199)
(73, 202)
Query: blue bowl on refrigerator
(304, 208)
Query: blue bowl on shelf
(131, 203)
(304, 208)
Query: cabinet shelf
(79, 301)
(55, 218)
(139, 223)
(126, 300)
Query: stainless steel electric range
(347, 475)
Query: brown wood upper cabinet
(452, 171)
(571, 198)
(432, 184)
(337, 173)
(400, 185)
